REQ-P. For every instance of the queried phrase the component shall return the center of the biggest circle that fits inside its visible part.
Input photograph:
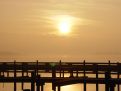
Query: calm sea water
(48, 87)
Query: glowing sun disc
(64, 24)
(64, 27)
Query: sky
(29, 30)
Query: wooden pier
(62, 73)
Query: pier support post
(15, 84)
(118, 85)
(22, 84)
(97, 85)
(71, 71)
(77, 73)
(118, 76)
(107, 87)
(53, 78)
(38, 87)
(53, 86)
(15, 87)
(59, 88)
(60, 67)
(84, 85)
(84, 76)
(42, 87)
(32, 86)
(63, 73)
(112, 86)
(39, 83)
(107, 83)
(33, 81)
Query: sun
(64, 26)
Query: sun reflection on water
(74, 87)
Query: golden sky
(29, 29)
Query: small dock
(61, 74)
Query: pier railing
(61, 73)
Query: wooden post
(63, 73)
(15, 85)
(37, 67)
(97, 88)
(112, 86)
(53, 72)
(38, 87)
(107, 83)
(33, 81)
(22, 84)
(53, 86)
(77, 73)
(59, 88)
(42, 87)
(32, 86)
(60, 67)
(84, 85)
(7, 73)
(84, 77)
(38, 83)
(71, 73)
(84, 68)
(118, 76)
(53, 79)
(70, 70)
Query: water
(48, 87)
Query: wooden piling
(33, 81)
(118, 76)
(15, 84)
(84, 77)
(59, 88)
(97, 85)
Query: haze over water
(54, 29)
